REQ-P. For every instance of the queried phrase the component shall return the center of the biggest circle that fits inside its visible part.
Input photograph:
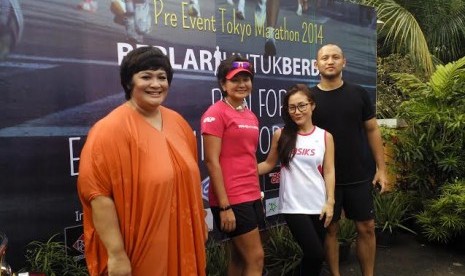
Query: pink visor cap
(237, 67)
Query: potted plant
(50, 258)
(282, 253)
(390, 214)
(346, 237)
(217, 257)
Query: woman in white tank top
(306, 193)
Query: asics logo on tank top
(304, 151)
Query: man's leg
(361, 210)
(332, 248)
(272, 11)
(366, 246)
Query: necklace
(240, 108)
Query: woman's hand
(228, 220)
(119, 265)
(327, 213)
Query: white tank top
(302, 187)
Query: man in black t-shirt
(345, 110)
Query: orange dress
(154, 180)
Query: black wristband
(225, 208)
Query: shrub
(217, 258)
(282, 253)
(429, 152)
(391, 211)
(50, 257)
(347, 232)
(389, 97)
(444, 218)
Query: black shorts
(249, 215)
(356, 200)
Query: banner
(61, 74)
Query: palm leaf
(402, 32)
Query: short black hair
(140, 59)
(226, 66)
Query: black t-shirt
(342, 112)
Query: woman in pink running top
(306, 192)
(230, 134)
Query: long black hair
(288, 139)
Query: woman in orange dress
(139, 181)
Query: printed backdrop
(63, 76)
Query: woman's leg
(249, 250)
(308, 233)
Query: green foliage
(217, 258)
(401, 32)
(282, 253)
(389, 97)
(50, 258)
(391, 211)
(421, 27)
(429, 152)
(442, 24)
(444, 217)
(347, 232)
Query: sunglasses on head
(241, 64)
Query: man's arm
(376, 144)
(330, 180)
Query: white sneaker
(142, 18)
(133, 35)
(299, 10)
(90, 6)
(260, 13)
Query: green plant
(347, 232)
(391, 211)
(388, 96)
(430, 150)
(444, 217)
(406, 26)
(346, 236)
(282, 253)
(50, 258)
(217, 258)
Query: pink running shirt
(239, 134)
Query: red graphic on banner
(275, 177)
(79, 244)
